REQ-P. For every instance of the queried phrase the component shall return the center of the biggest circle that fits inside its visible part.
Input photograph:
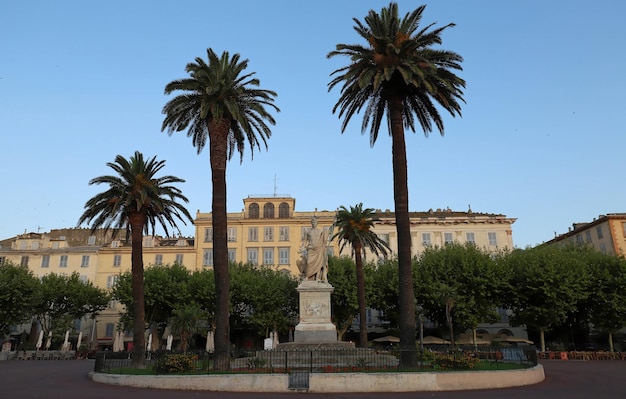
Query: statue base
(315, 325)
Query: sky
(541, 137)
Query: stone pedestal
(315, 325)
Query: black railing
(320, 360)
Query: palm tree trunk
(408, 347)
(360, 283)
(137, 222)
(218, 145)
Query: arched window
(283, 210)
(254, 211)
(268, 211)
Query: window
(588, 235)
(117, 260)
(303, 232)
(207, 257)
(268, 256)
(83, 278)
(253, 256)
(23, 245)
(447, 238)
(599, 231)
(268, 234)
(181, 242)
(470, 238)
(283, 210)
(115, 244)
(45, 261)
(268, 211)
(253, 234)
(179, 259)
(493, 241)
(24, 261)
(158, 259)
(384, 237)
(2, 258)
(254, 211)
(91, 240)
(208, 234)
(579, 239)
(232, 253)
(232, 234)
(110, 328)
(34, 245)
(55, 245)
(283, 233)
(112, 280)
(283, 256)
(624, 228)
(85, 261)
(148, 241)
(426, 239)
(603, 248)
(63, 261)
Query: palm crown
(220, 93)
(398, 62)
(354, 226)
(136, 190)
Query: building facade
(606, 233)
(268, 231)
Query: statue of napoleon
(313, 264)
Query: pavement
(68, 379)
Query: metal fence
(323, 360)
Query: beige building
(267, 231)
(606, 233)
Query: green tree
(548, 284)
(166, 287)
(605, 306)
(384, 291)
(354, 226)
(344, 298)
(136, 200)
(220, 104)
(400, 74)
(461, 281)
(18, 290)
(61, 299)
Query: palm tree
(399, 74)
(222, 105)
(184, 323)
(355, 228)
(136, 200)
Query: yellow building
(606, 233)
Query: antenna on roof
(275, 186)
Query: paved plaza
(52, 379)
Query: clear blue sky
(541, 138)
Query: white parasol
(170, 338)
(39, 340)
(80, 340)
(116, 342)
(149, 346)
(210, 342)
(49, 340)
(275, 340)
(66, 343)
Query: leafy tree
(605, 306)
(221, 104)
(61, 299)
(354, 227)
(459, 280)
(201, 287)
(136, 200)
(383, 294)
(18, 289)
(548, 284)
(400, 74)
(165, 288)
(344, 298)
(264, 298)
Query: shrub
(256, 363)
(175, 363)
(455, 361)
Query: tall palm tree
(222, 105)
(400, 75)
(184, 323)
(136, 200)
(354, 227)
